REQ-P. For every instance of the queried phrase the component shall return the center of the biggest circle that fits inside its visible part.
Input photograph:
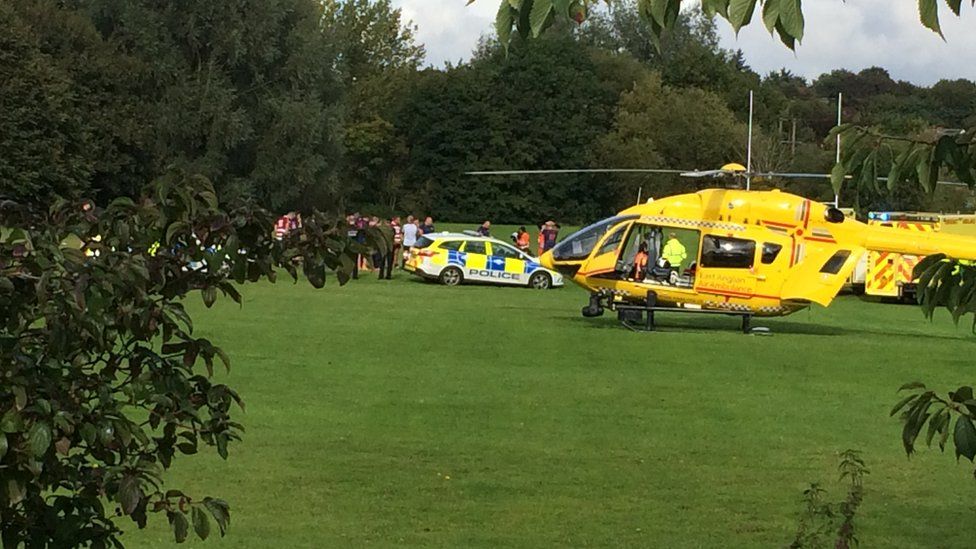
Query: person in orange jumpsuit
(522, 240)
(640, 262)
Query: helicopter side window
(770, 252)
(727, 253)
(836, 262)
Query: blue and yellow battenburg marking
(490, 263)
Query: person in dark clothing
(428, 226)
(485, 229)
(550, 232)
(384, 260)
(352, 232)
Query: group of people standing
(406, 233)
(403, 234)
(546, 240)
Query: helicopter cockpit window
(580, 244)
(727, 253)
(613, 241)
(770, 252)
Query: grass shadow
(669, 324)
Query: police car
(453, 258)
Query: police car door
(506, 264)
(476, 261)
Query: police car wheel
(451, 276)
(540, 281)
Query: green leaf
(711, 7)
(11, 422)
(174, 229)
(220, 511)
(901, 404)
(130, 493)
(3, 445)
(962, 394)
(39, 438)
(180, 526)
(658, 11)
(201, 523)
(897, 167)
(955, 6)
(791, 18)
(16, 491)
(523, 25)
(771, 14)
(786, 38)
(504, 20)
(923, 168)
(965, 438)
(209, 295)
(837, 176)
(539, 15)
(740, 13)
(20, 397)
(561, 7)
(928, 11)
(936, 425)
(912, 385)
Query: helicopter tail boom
(889, 239)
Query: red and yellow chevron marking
(888, 272)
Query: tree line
(302, 104)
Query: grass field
(389, 413)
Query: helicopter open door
(821, 274)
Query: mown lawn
(390, 413)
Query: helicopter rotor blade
(795, 175)
(847, 177)
(571, 171)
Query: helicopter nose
(547, 261)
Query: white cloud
(854, 34)
(862, 33)
(448, 28)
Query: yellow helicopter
(747, 253)
(726, 251)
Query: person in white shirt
(410, 230)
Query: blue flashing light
(870, 215)
(884, 217)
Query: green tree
(105, 384)
(689, 56)
(245, 94)
(540, 106)
(660, 126)
(378, 60)
(44, 142)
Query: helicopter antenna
(749, 147)
(840, 114)
(639, 189)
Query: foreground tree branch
(104, 382)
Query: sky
(853, 35)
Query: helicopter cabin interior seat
(658, 269)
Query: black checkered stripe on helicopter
(692, 223)
(614, 291)
(738, 307)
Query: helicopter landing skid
(640, 318)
